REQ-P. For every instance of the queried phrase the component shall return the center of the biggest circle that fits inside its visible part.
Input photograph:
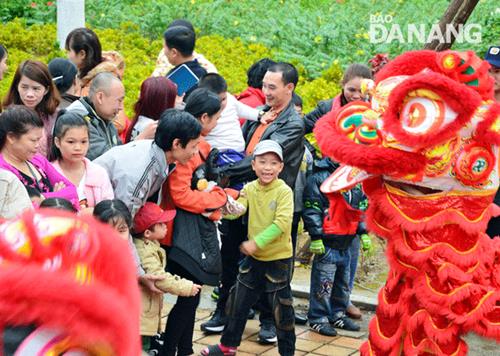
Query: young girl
(70, 145)
(157, 95)
(114, 212)
(32, 86)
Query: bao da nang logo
(383, 30)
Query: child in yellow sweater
(267, 267)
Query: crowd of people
(208, 187)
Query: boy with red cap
(150, 226)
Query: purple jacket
(41, 163)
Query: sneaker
(300, 319)
(218, 350)
(324, 329)
(346, 324)
(353, 312)
(216, 323)
(267, 334)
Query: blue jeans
(354, 252)
(329, 293)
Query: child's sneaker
(218, 350)
(346, 324)
(324, 329)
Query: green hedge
(231, 56)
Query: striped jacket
(137, 171)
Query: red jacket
(177, 192)
(252, 97)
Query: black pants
(178, 338)
(257, 278)
(233, 233)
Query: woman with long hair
(32, 87)
(157, 95)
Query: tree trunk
(456, 14)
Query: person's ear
(253, 164)
(176, 143)
(11, 138)
(82, 54)
(282, 165)
(147, 233)
(57, 142)
(290, 87)
(204, 119)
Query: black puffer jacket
(288, 131)
(316, 206)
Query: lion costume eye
(425, 112)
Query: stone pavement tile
(356, 353)
(239, 353)
(354, 334)
(313, 354)
(347, 342)
(197, 348)
(209, 340)
(306, 345)
(274, 352)
(251, 345)
(251, 328)
(197, 334)
(314, 336)
(202, 314)
(330, 350)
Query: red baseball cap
(150, 214)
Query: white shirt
(141, 124)
(227, 133)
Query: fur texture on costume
(429, 145)
(71, 274)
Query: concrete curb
(361, 301)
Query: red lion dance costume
(68, 286)
(426, 149)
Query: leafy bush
(311, 32)
(231, 56)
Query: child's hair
(111, 211)
(66, 120)
(85, 39)
(256, 72)
(58, 203)
(356, 70)
(181, 38)
(63, 73)
(202, 101)
(213, 82)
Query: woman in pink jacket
(69, 147)
(21, 131)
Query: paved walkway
(308, 342)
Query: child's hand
(248, 248)
(195, 290)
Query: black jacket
(316, 206)
(321, 109)
(288, 131)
